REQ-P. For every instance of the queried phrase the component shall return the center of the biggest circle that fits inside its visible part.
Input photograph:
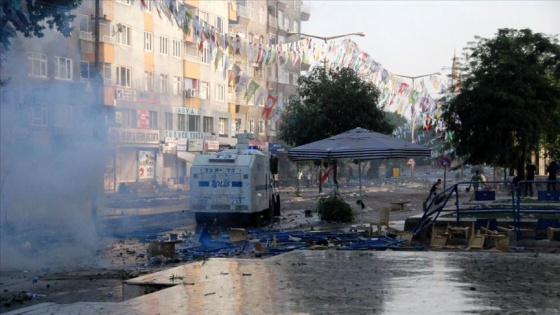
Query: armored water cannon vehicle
(235, 187)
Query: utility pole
(412, 118)
(98, 119)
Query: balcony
(272, 21)
(86, 36)
(125, 94)
(305, 13)
(244, 14)
(282, 4)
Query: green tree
(332, 102)
(31, 18)
(509, 99)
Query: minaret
(455, 74)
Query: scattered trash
(266, 242)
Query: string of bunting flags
(396, 94)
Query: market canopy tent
(358, 143)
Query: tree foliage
(509, 99)
(331, 102)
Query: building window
(106, 71)
(220, 92)
(177, 86)
(194, 123)
(182, 122)
(191, 51)
(262, 15)
(163, 45)
(261, 126)
(237, 124)
(62, 68)
(250, 10)
(39, 115)
(84, 23)
(204, 90)
(204, 18)
(148, 81)
(147, 5)
(63, 116)
(177, 44)
(152, 120)
(37, 64)
(169, 121)
(206, 55)
(222, 126)
(191, 87)
(122, 34)
(148, 41)
(123, 76)
(280, 19)
(164, 83)
(286, 23)
(296, 27)
(129, 118)
(84, 70)
(272, 39)
(208, 124)
(220, 25)
(251, 125)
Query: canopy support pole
(360, 183)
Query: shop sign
(146, 164)
(186, 111)
(181, 144)
(211, 145)
(274, 148)
(123, 135)
(195, 145)
(184, 134)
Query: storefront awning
(187, 156)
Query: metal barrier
(493, 197)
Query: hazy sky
(419, 37)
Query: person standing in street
(552, 171)
(436, 188)
(476, 180)
(531, 169)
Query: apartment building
(163, 95)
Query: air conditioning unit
(190, 93)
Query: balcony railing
(272, 21)
(305, 13)
(86, 35)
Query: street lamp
(411, 111)
(327, 38)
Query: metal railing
(491, 199)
